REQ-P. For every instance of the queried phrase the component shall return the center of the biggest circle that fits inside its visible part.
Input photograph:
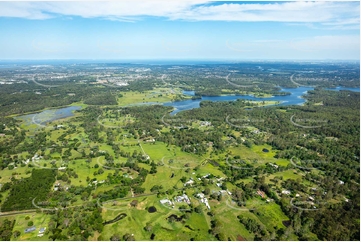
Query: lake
(48, 115)
(294, 99)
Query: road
(43, 85)
(236, 85)
(297, 84)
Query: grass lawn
(40, 220)
(138, 218)
(271, 215)
(255, 153)
(228, 216)
(287, 174)
(6, 174)
(164, 174)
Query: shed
(30, 229)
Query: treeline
(6, 228)
(78, 223)
(105, 98)
(13, 96)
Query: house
(42, 230)
(311, 198)
(341, 182)
(205, 176)
(274, 165)
(286, 192)
(205, 201)
(183, 198)
(261, 193)
(222, 192)
(166, 201)
(190, 182)
(205, 123)
(31, 229)
(200, 195)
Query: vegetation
(228, 170)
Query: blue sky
(175, 29)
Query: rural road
(236, 85)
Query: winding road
(236, 85)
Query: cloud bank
(331, 14)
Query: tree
(183, 179)
(100, 171)
(16, 233)
(115, 237)
(198, 209)
(128, 237)
(148, 227)
(207, 191)
(134, 203)
(224, 186)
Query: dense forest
(23, 191)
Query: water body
(293, 99)
(49, 115)
(353, 89)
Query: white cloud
(93, 9)
(330, 13)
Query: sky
(180, 29)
